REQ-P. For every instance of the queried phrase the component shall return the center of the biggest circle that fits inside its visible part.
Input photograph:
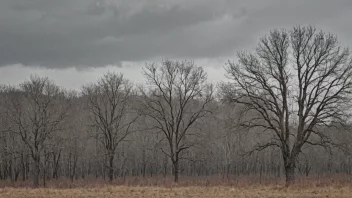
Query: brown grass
(219, 191)
(188, 187)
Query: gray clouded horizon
(84, 38)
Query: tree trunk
(56, 159)
(23, 167)
(144, 164)
(165, 162)
(176, 169)
(75, 158)
(290, 165)
(228, 170)
(44, 176)
(36, 177)
(290, 174)
(111, 168)
(144, 169)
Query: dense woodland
(285, 111)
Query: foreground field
(220, 191)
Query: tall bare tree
(35, 111)
(178, 98)
(110, 103)
(295, 83)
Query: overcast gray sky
(74, 42)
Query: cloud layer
(95, 33)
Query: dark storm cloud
(66, 33)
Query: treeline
(180, 124)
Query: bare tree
(110, 103)
(35, 111)
(179, 98)
(295, 83)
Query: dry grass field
(182, 192)
(188, 188)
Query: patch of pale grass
(196, 191)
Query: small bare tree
(293, 85)
(35, 111)
(110, 103)
(178, 98)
